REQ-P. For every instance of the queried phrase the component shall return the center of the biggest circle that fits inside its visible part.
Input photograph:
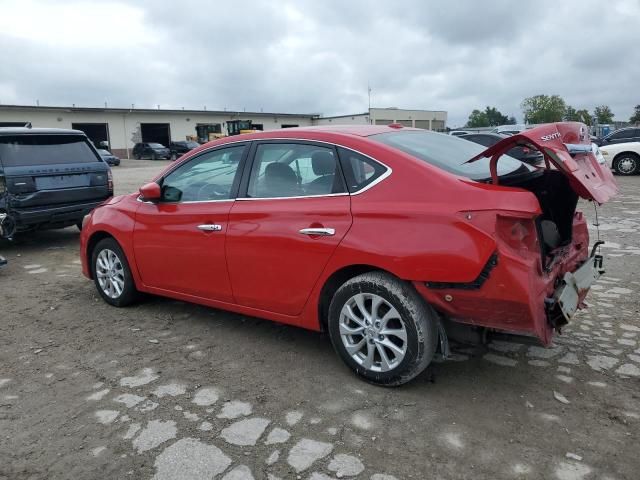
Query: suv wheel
(111, 273)
(627, 164)
(137, 156)
(382, 328)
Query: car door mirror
(150, 192)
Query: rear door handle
(210, 227)
(322, 232)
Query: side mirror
(150, 192)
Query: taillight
(518, 233)
(110, 181)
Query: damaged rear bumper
(516, 295)
(572, 289)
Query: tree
(570, 114)
(583, 116)
(635, 118)
(603, 114)
(491, 117)
(477, 119)
(495, 117)
(543, 109)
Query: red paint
(421, 224)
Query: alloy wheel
(627, 165)
(110, 273)
(373, 332)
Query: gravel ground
(170, 390)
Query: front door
(283, 232)
(179, 242)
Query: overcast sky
(319, 56)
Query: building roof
(38, 131)
(234, 113)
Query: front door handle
(322, 232)
(210, 227)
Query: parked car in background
(509, 129)
(181, 147)
(524, 154)
(153, 151)
(384, 236)
(623, 135)
(624, 158)
(49, 178)
(458, 133)
(109, 157)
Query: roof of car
(38, 131)
(358, 130)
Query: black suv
(623, 135)
(154, 151)
(181, 147)
(49, 178)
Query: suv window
(29, 150)
(294, 170)
(207, 177)
(359, 170)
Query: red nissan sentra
(387, 237)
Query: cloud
(318, 57)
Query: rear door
(52, 169)
(567, 147)
(283, 230)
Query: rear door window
(31, 150)
(294, 170)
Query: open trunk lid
(567, 147)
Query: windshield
(104, 152)
(29, 150)
(449, 153)
(156, 145)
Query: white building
(426, 119)
(121, 128)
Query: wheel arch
(94, 239)
(333, 283)
(624, 153)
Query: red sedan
(389, 238)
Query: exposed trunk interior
(558, 202)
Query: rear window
(449, 153)
(30, 150)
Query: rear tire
(627, 164)
(393, 340)
(137, 157)
(112, 275)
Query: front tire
(111, 274)
(382, 328)
(627, 164)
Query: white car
(624, 158)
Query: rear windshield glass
(449, 153)
(30, 150)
